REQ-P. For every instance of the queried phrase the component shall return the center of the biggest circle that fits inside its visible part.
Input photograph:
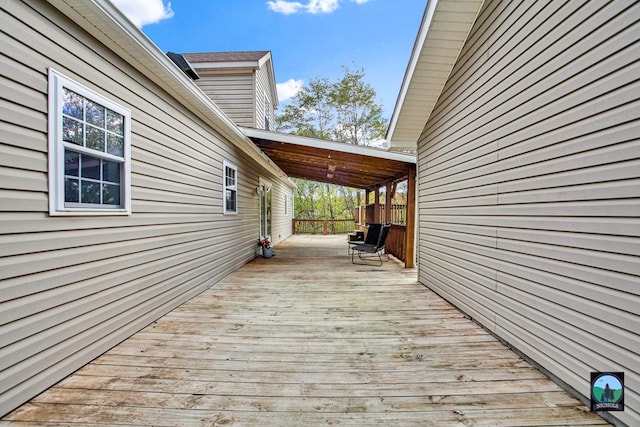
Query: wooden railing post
(387, 202)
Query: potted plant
(265, 246)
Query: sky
(307, 38)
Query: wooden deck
(308, 339)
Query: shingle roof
(225, 56)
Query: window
(230, 188)
(267, 112)
(89, 151)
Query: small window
(230, 188)
(89, 151)
(267, 112)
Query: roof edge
(435, 11)
(328, 145)
(109, 25)
(427, 18)
(244, 64)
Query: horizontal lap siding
(529, 188)
(262, 91)
(234, 93)
(282, 215)
(70, 288)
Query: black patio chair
(371, 251)
(372, 237)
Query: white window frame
(226, 186)
(57, 205)
(267, 112)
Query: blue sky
(307, 38)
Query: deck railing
(323, 226)
(397, 214)
(396, 239)
(396, 243)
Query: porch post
(411, 218)
(376, 209)
(387, 202)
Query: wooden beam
(394, 187)
(376, 212)
(411, 217)
(387, 201)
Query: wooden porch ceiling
(331, 162)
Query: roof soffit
(443, 32)
(331, 162)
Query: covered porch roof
(332, 162)
(344, 164)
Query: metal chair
(372, 237)
(368, 251)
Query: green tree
(345, 111)
(359, 117)
(310, 113)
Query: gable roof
(248, 56)
(442, 35)
(253, 60)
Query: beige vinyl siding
(529, 186)
(281, 226)
(263, 90)
(73, 287)
(233, 92)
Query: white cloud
(312, 6)
(288, 89)
(285, 7)
(322, 6)
(143, 12)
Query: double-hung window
(230, 188)
(89, 151)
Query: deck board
(307, 339)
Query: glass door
(265, 210)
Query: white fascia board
(108, 24)
(403, 144)
(264, 59)
(436, 12)
(411, 67)
(272, 78)
(328, 145)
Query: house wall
(529, 186)
(72, 287)
(233, 92)
(263, 93)
(282, 206)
